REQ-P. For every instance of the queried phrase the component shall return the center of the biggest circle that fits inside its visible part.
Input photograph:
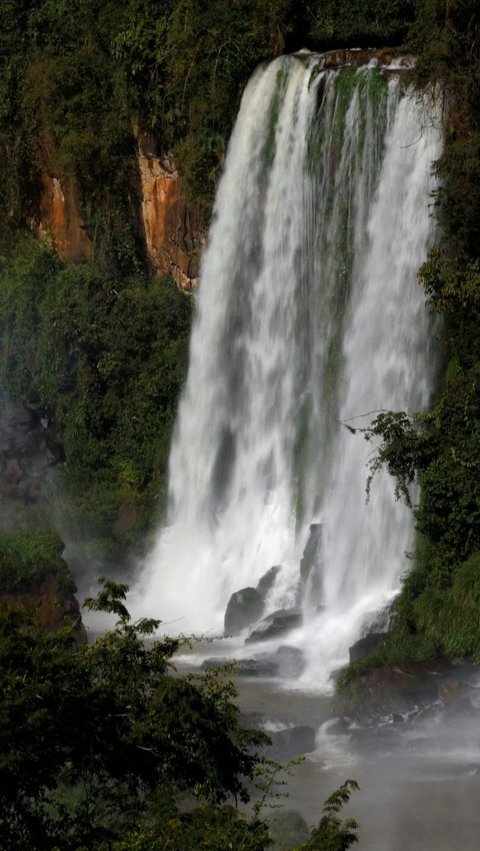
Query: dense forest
(100, 350)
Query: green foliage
(441, 448)
(341, 22)
(438, 607)
(24, 280)
(78, 78)
(403, 452)
(451, 616)
(88, 733)
(107, 356)
(332, 834)
(446, 39)
(452, 287)
(27, 557)
(99, 744)
(395, 647)
(213, 48)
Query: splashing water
(309, 315)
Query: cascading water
(309, 315)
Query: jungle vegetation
(103, 346)
(104, 747)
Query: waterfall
(309, 315)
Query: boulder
(289, 661)
(276, 624)
(383, 619)
(262, 666)
(244, 608)
(291, 742)
(20, 416)
(267, 581)
(449, 692)
(338, 726)
(365, 645)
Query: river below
(419, 776)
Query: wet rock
(410, 690)
(289, 661)
(292, 742)
(383, 619)
(26, 453)
(21, 416)
(364, 646)
(261, 666)
(276, 625)
(474, 698)
(311, 564)
(13, 471)
(449, 692)
(58, 222)
(338, 727)
(173, 229)
(244, 608)
(267, 581)
(334, 58)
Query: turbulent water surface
(309, 316)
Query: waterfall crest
(308, 315)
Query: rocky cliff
(171, 229)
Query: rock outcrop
(287, 662)
(276, 625)
(247, 606)
(173, 230)
(244, 608)
(267, 581)
(366, 645)
(388, 59)
(58, 222)
(29, 448)
(54, 605)
(311, 565)
(291, 742)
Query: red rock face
(59, 221)
(385, 58)
(173, 232)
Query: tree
(100, 744)
(332, 834)
(89, 733)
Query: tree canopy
(105, 747)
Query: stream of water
(309, 317)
